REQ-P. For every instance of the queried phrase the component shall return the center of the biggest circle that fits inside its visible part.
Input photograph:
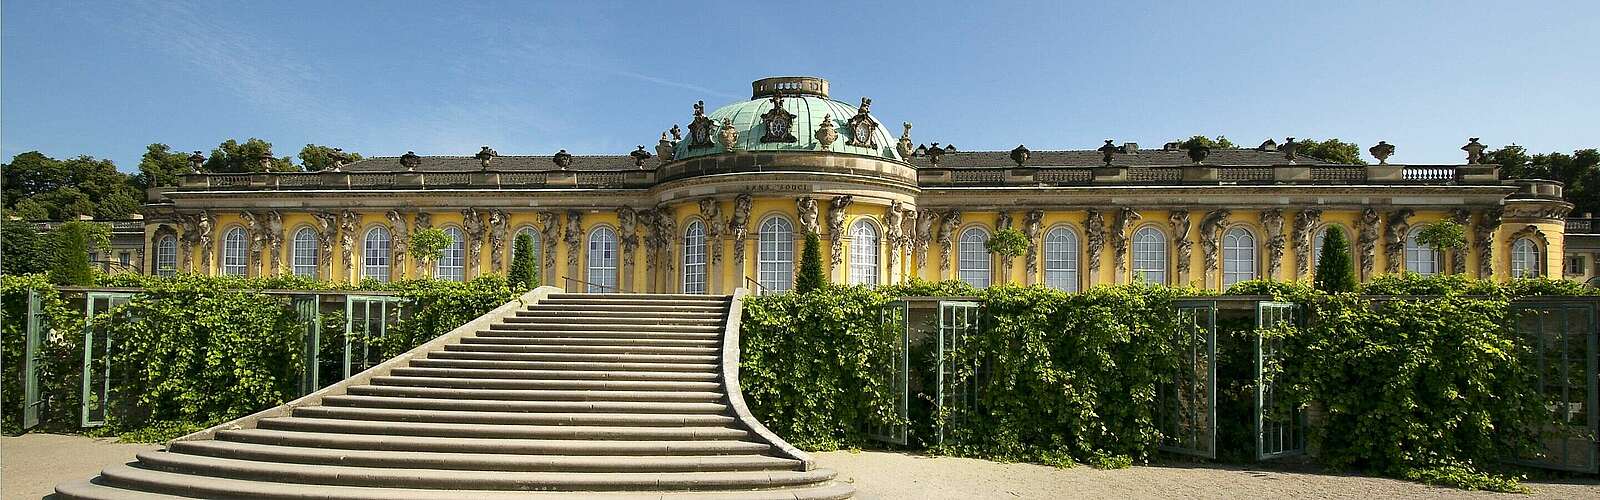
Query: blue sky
(381, 78)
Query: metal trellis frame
(1187, 402)
(1564, 341)
(957, 377)
(372, 314)
(1276, 435)
(97, 356)
(32, 356)
(893, 325)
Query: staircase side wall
(730, 381)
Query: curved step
(491, 445)
(416, 371)
(628, 308)
(713, 314)
(509, 431)
(585, 349)
(481, 461)
(578, 385)
(564, 356)
(517, 418)
(516, 331)
(562, 365)
(401, 402)
(595, 341)
(567, 324)
(535, 395)
(657, 318)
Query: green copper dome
(804, 97)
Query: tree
(1443, 235)
(428, 245)
(72, 242)
(314, 158)
(40, 187)
(1331, 150)
(160, 166)
(1335, 272)
(811, 277)
(1579, 172)
(524, 271)
(1219, 143)
(233, 157)
(25, 250)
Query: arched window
(1150, 255)
(1420, 258)
(1061, 259)
(376, 254)
(694, 258)
(452, 264)
(863, 253)
(233, 252)
(972, 258)
(602, 260)
(303, 253)
(1238, 256)
(1524, 258)
(533, 235)
(167, 255)
(775, 255)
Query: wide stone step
(462, 479)
(553, 374)
(629, 308)
(536, 395)
(482, 461)
(400, 402)
(571, 324)
(517, 418)
(564, 365)
(568, 356)
(492, 445)
(564, 302)
(506, 331)
(584, 349)
(701, 315)
(582, 385)
(597, 341)
(507, 431)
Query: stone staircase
(574, 396)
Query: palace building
(725, 202)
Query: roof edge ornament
(862, 127)
(788, 85)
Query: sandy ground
(32, 464)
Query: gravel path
(31, 465)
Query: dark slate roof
(470, 164)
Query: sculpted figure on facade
(258, 239)
(739, 227)
(327, 226)
(922, 235)
(274, 231)
(204, 225)
(1181, 243)
(1394, 238)
(1367, 239)
(807, 208)
(573, 236)
(1002, 221)
(652, 239)
(904, 145)
(947, 231)
(423, 221)
(711, 211)
(1119, 238)
(1458, 255)
(1272, 220)
(189, 237)
(667, 227)
(893, 230)
(1483, 237)
(836, 208)
(550, 235)
(499, 222)
(1032, 226)
(1210, 230)
(1304, 221)
(729, 135)
(1094, 232)
(348, 222)
(472, 225)
(399, 242)
(628, 234)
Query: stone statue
(274, 230)
(1304, 222)
(190, 237)
(677, 133)
(423, 221)
(711, 211)
(1210, 227)
(573, 236)
(1094, 231)
(664, 151)
(410, 161)
(862, 127)
(836, 208)
(947, 231)
(1367, 239)
(562, 159)
(1198, 153)
(1458, 256)
(550, 236)
(739, 227)
(893, 230)
(826, 133)
(652, 239)
(499, 221)
(1474, 151)
(484, 155)
(1020, 155)
(1119, 238)
(700, 127)
(807, 208)
(349, 221)
(258, 240)
(1272, 220)
(204, 225)
(472, 225)
(923, 234)
(1382, 152)
(729, 135)
(1394, 238)
(778, 121)
(327, 225)
(1483, 237)
(1181, 243)
(1290, 149)
(1002, 220)
(667, 227)
(399, 244)
(1032, 228)
(904, 146)
(1108, 152)
(628, 234)
(197, 161)
(639, 156)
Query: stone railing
(295, 181)
(1584, 225)
(1211, 174)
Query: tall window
(1238, 256)
(304, 253)
(1420, 258)
(602, 260)
(167, 256)
(1150, 255)
(1524, 258)
(694, 258)
(233, 252)
(376, 254)
(863, 253)
(775, 255)
(1061, 259)
(972, 258)
(452, 264)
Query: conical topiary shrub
(1335, 272)
(524, 273)
(811, 277)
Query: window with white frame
(1238, 256)
(602, 260)
(1150, 255)
(1420, 258)
(303, 253)
(863, 253)
(1524, 258)
(452, 265)
(234, 248)
(375, 254)
(694, 258)
(167, 256)
(972, 257)
(775, 255)
(1061, 259)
